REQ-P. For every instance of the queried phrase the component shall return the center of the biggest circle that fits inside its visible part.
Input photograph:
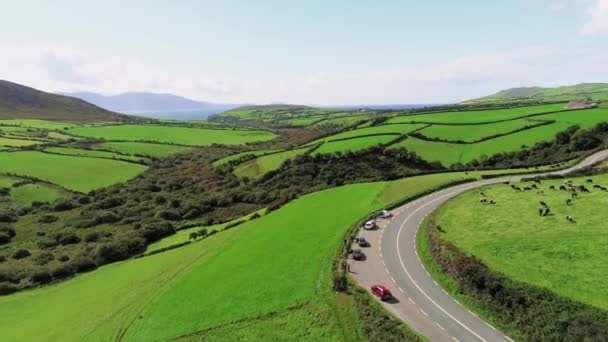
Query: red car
(381, 292)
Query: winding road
(392, 260)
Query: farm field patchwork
(74, 173)
(237, 156)
(546, 251)
(90, 153)
(477, 116)
(142, 290)
(17, 142)
(33, 123)
(471, 133)
(257, 167)
(354, 144)
(147, 149)
(174, 134)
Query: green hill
(596, 91)
(21, 102)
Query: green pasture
(477, 116)
(17, 142)
(174, 134)
(583, 118)
(237, 156)
(346, 120)
(354, 144)
(90, 153)
(257, 167)
(470, 133)
(546, 251)
(72, 172)
(33, 123)
(147, 149)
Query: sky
(331, 52)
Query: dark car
(358, 255)
(361, 241)
(381, 292)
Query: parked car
(361, 241)
(385, 214)
(381, 292)
(369, 225)
(358, 254)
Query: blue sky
(312, 52)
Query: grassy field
(17, 142)
(477, 115)
(470, 133)
(512, 239)
(33, 123)
(173, 134)
(237, 156)
(29, 193)
(278, 268)
(257, 167)
(90, 153)
(74, 173)
(148, 149)
(354, 144)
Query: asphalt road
(392, 260)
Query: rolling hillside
(21, 102)
(597, 91)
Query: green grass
(257, 167)
(470, 133)
(583, 118)
(512, 239)
(90, 153)
(33, 123)
(343, 120)
(237, 156)
(478, 115)
(355, 144)
(17, 142)
(148, 149)
(35, 192)
(74, 173)
(173, 134)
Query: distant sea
(389, 106)
(193, 114)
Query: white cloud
(597, 21)
(61, 68)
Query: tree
(193, 236)
(202, 233)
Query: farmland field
(381, 129)
(546, 251)
(17, 142)
(74, 173)
(29, 193)
(237, 156)
(90, 153)
(257, 167)
(148, 149)
(354, 144)
(173, 134)
(470, 133)
(477, 116)
(33, 123)
(131, 298)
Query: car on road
(381, 292)
(361, 241)
(358, 254)
(385, 214)
(369, 225)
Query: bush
(254, 216)
(7, 288)
(21, 253)
(92, 237)
(156, 232)
(44, 258)
(48, 219)
(68, 238)
(4, 238)
(169, 215)
(2, 258)
(47, 243)
(111, 202)
(83, 264)
(40, 277)
(8, 231)
(107, 217)
(116, 251)
(8, 217)
(63, 205)
(84, 200)
(61, 272)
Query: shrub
(21, 253)
(111, 202)
(254, 216)
(120, 250)
(5, 191)
(63, 205)
(8, 231)
(169, 215)
(7, 288)
(83, 264)
(47, 243)
(4, 238)
(84, 200)
(61, 272)
(192, 214)
(8, 217)
(2, 258)
(24, 210)
(92, 237)
(48, 219)
(68, 238)
(107, 217)
(340, 283)
(44, 258)
(40, 277)
(156, 232)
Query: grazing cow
(604, 188)
(569, 218)
(534, 186)
(537, 181)
(574, 195)
(540, 211)
(563, 188)
(492, 202)
(547, 211)
(590, 180)
(482, 194)
(583, 189)
(483, 200)
(597, 186)
(527, 188)
(552, 187)
(568, 201)
(543, 204)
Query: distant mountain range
(21, 102)
(596, 91)
(166, 106)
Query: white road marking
(440, 327)
(400, 289)
(455, 339)
(393, 279)
(427, 274)
(411, 300)
(472, 313)
(386, 270)
(424, 313)
(383, 263)
(434, 281)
